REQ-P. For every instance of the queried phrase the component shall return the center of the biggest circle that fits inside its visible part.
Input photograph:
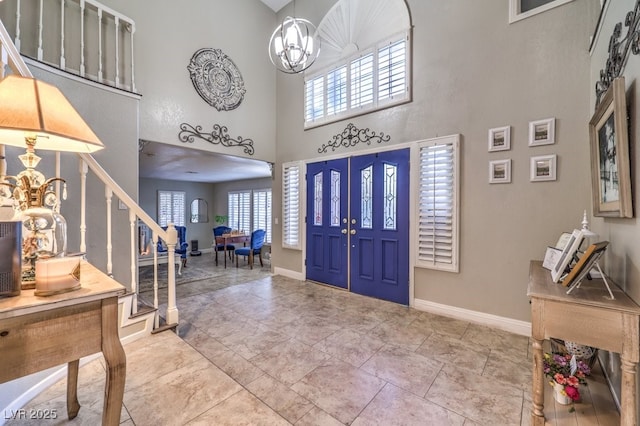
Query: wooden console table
(587, 316)
(37, 333)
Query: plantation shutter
(240, 210)
(314, 99)
(291, 206)
(438, 204)
(262, 212)
(337, 91)
(171, 207)
(362, 81)
(392, 70)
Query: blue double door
(358, 224)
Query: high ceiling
(276, 5)
(172, 162)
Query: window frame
(171, 218)
(515, 7)
(250, 197)
(313, 120)
(454, 265)
(290, 220)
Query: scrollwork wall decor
(218, 136)
(619, 50)
(351, 136)
(216, 79)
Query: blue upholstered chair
(257, 240)
(181, 245)
(218, 231)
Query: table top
(95, 285)
(590, 293)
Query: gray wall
(472, 72)
(623, 252)
(195, 231)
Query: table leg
(628, 415)
(115, 359)
(73, 406)
(537, 407)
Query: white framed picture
(542, 132)
(500, 171)
(543, 168)
(500, 139)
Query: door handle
(344, 231)
(353, 232)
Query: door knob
(344, 231)
(353, 232)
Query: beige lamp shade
(31, 108)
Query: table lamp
(33, 112)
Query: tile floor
(256, 349)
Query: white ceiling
(172, 162)
(276, 5)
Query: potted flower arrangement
(565, 376)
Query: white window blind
(171, 208)
(337, 91)
(314, 99)
(291, 206)
(438, 204)
(262, 212)
(392, 70)
(362, 81)
(239, 209)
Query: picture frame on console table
(569, 251)
(584, 265)
(610, 171)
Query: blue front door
(327, 240)
(379, 225)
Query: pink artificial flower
(573, 381)
(559, 378)
(572, 393)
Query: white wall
(472, 72)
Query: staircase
(136, 319)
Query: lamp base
(57, 275)
(45, 292)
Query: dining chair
(218, 231)
(255, 247)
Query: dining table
(225, 239)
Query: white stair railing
(98, 51)
(10, 57)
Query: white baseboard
(288, 273)
(522, 328)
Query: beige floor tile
(339, 389)
(408, 336)
(350, 346)
(179, 396)
(408, 370)
(317, 417)
(239, 410)
(253, 339)
(290, 361)
(443, 325)
(450, 350)
(310, 330)
(280, 398)
(395, 407)
(478, 398)
(508, 344)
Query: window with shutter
(171, 208)
(314, 99)
(291, 206)
(438, 204)
(392, 70)
(239, 210)
(262, 212)
(337, 91)
(362, 81)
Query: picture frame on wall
(500, 171)
(542, 132)
(610, 171)
(543, 168)
(500, 139)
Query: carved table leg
(537, 409)
(73, 406)
(628, 415)
(116, 363)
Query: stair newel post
(172, 240)
(117, 81)
(154, 239)
(83, 205)
(108, 193)
(134, 267)
(82, 38)
(17, 40)
(40, 32)
(62, 58)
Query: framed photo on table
(584, 265)
(610, 172)
(569, 251)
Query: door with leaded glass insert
(379, 225)
(327, 239)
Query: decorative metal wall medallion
(216, 79)
(619, 50)
(218, 136)
(351, 136)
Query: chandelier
(294, 45)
